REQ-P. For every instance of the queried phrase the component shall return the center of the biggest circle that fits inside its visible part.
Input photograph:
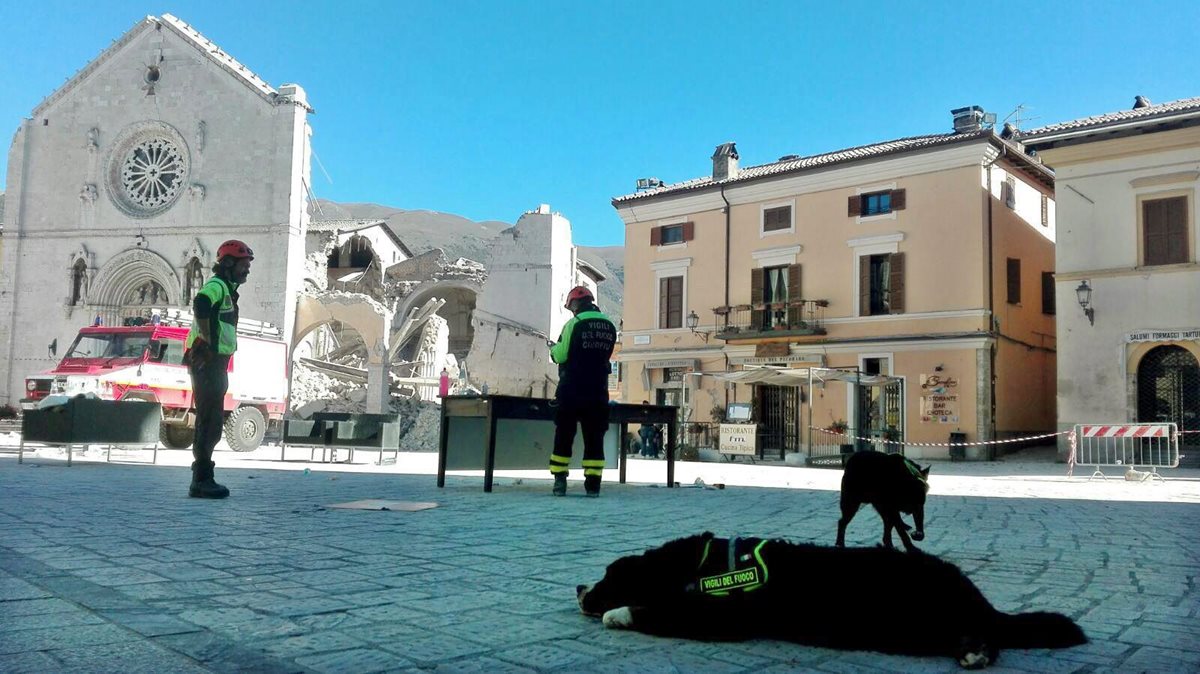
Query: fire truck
(142, 360)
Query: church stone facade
(122, 184)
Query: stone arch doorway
(132, 282)
(370, 322)
(460, 299)
(1168, 385)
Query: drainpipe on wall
(992, 329)
(724, 353)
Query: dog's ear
(925, 470)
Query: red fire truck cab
(145, 362)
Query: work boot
(560, 484)
(207, 489)
(591, 485)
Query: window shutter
(864, 285)
(675, 304)
(664, 300)
(656, 236)
(689, 231)
(757, 280)
(1048, 293)
(794, 295)
(854, 205)
(897, 200)
(896, 284)
(1173, 229)
(775, 219)
(1014, 280)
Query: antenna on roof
(1018, 116)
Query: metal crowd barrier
(1150, 446)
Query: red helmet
(234, 248)
(579, 293)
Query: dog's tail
(1039, 629)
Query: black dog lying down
(849, 598)
(891, 483)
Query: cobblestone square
(109, 566)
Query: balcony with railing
(771, 319)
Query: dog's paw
(975, 660)
(618, 618)
(917, 535)
(974, 654)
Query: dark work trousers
(210, 381)
(593, 419)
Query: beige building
(928, 259)
(1127, 183)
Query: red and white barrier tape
(946, 444)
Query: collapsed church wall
(123, 183)
(531, 268)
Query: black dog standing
(891, 483)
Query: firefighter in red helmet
(211, 342)
(582, 352)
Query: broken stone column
(431, 354)
(379, 395)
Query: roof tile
(815, 161)
(1122, 116)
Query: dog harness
(743, 569)
(913, 468)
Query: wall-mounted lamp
(1084, 294)
(692, 321)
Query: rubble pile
(314, 391)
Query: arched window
(354, 254)
(1169, 389)
(78, 282)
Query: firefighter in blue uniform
(210, 344)
(582, 352)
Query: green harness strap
(745, 579)
(913, 468)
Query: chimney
(1140, 102)
(725, 162)
(968, 119)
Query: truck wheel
(244, 429)
(176, 436)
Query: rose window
(152, 173)
(147, 169)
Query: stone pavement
(110, 568)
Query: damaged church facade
(123, 182)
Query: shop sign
(672, 363)
(1163, 336)
(810, 359)
(738, 439)
(939, 408)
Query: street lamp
(692, 322)
(1084, 294)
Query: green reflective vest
(224, 312)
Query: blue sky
(486, 109)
